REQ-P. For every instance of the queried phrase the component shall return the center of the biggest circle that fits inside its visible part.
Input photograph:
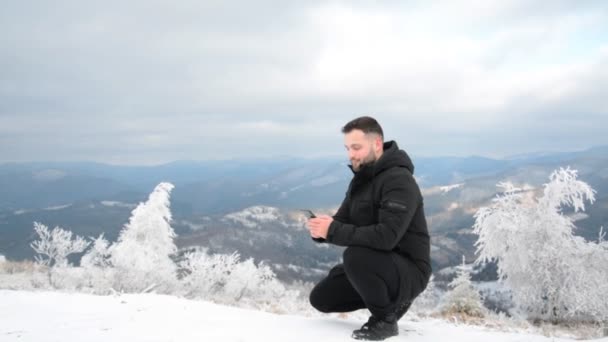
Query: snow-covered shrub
(23, 275)
(253, 284)
(224, 278)
(427, 302)
(205, 274)
(98, 275)
(54, 246)
(67, 278)
(141, 256)
(98, 255)
(553, 274)
(2, 259)
(463, 298)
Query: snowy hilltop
(53, 316)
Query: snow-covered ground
(55, 316)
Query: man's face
(362, 148)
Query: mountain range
(252, 206)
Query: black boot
(377, 329)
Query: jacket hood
(391, 157)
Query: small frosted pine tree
(553, 274)
(98, 274)
(142, 254)
(98, 255)
(463, 298)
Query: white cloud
(152, 82)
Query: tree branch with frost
(55, 245)
(565, 190)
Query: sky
(149, 82)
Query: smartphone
(309, 213)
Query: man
(381, 222)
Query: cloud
(152, 81)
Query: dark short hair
(367, 124)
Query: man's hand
(319, 226)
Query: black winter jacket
(383, 209)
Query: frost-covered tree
(553, 274)
(141, 256)
(55, 245)
(463, 298)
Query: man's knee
(317, 302)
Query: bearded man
(381, 222)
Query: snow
(58, 207)
(448, 188)
(117, 204)
(252, 216)
(441, 189)
(453, 206)
(578, 216)
(65, 317)
(48, 175)
(194, 226)
(325, 180)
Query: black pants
(368, 278)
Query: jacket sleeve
(399, 200)
(340, 215)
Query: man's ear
(379, 143)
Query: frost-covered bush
(53, 249)
(226, 279)
(23, 275)
(98, 255)
(463, 298)
(553, 274)
(98, 275)
(427, 302)
(205, 274)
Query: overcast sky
(148, 82)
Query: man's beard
(369, 159)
